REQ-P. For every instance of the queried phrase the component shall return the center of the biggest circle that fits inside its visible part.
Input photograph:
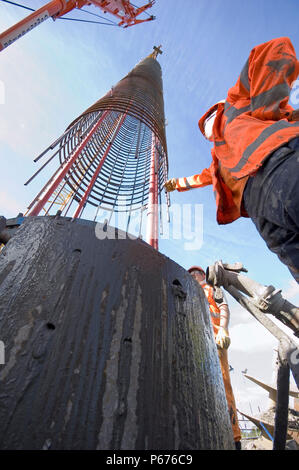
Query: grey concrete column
(108, 345)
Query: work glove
(170, 185)
(222, 338)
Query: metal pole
(152, 211)
(65, 168)
(156, 193)
(282, 403)
(273, 393)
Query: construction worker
(220, 320)
(255, 158)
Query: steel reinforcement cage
(112, 166)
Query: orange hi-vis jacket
(214, 308)
(249, 126)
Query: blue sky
(52, 74)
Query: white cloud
(238, 314)
(24, 121)
(254, 392)
(9, 207)
(251, 399)
(292, 291)
(251, 337)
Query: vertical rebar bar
(152, 214)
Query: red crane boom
(123, 10)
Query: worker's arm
(224, 316)
(190, 182)
(268, 76)
(222, 338)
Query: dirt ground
(266, 444)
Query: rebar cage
(107, 154)
(124, 179)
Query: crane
(123, 10)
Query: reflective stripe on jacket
(228, 207)
(214, 309)
(251, 124)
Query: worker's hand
(222, 338)
(170, 185)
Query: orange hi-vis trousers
(222, 354)
(223, 358)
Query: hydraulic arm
(260, 300)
